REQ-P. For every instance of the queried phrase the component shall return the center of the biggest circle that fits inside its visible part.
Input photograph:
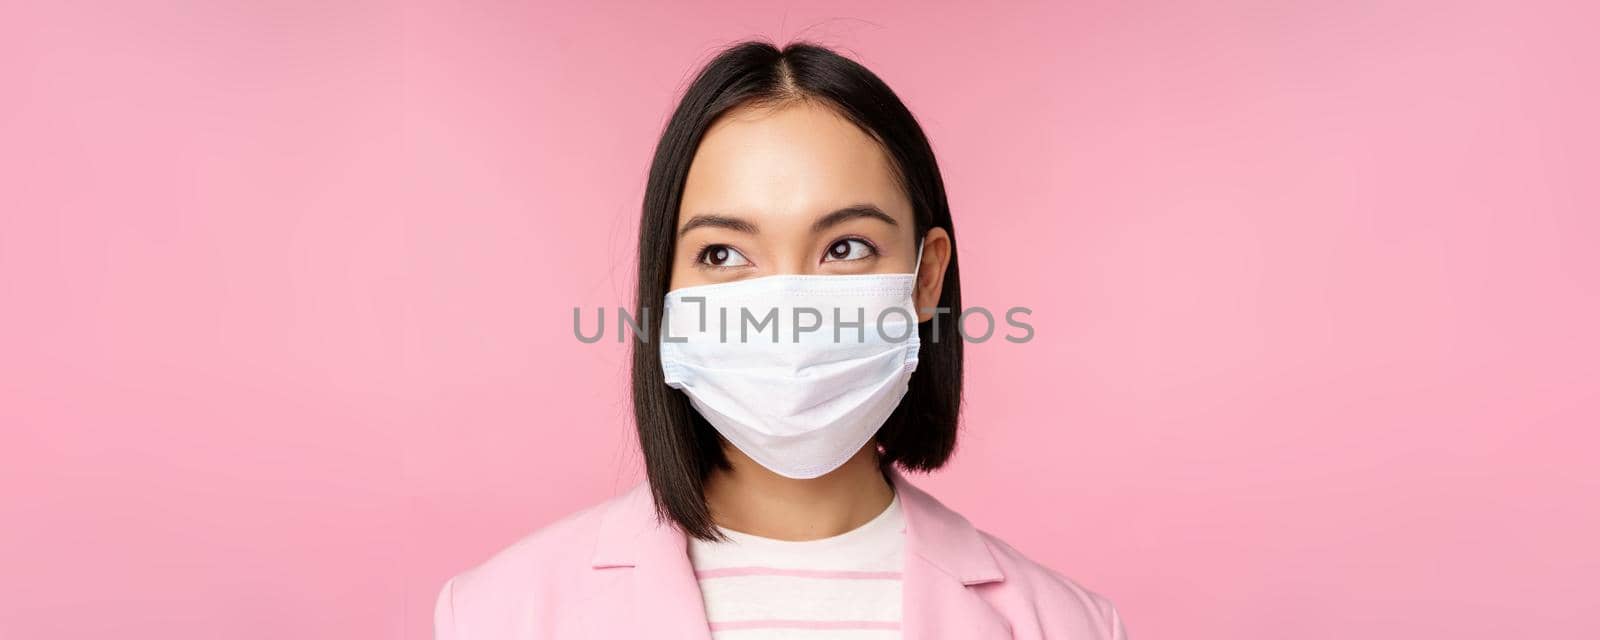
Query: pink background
(287, 294)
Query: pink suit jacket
(612, 571)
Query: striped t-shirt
(843, 587)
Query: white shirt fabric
(845, 587)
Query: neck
(749, 498)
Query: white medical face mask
(797, 371)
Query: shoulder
(564, 543)
(529, 575)
(1051, 600)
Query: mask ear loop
(917, 270)
(916, 275)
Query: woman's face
(798, 190)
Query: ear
(930, 274)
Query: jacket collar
(625, 522)
(943, 537)
(630, 527)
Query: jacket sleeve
(444, 613)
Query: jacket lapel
(945, 555)
(664, 598)
(668, 596)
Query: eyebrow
(718, 221)
(851, 213)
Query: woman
(794, 203)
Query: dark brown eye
(721, 255)
(850, 249)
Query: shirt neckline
(888, 521)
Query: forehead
(790, 163)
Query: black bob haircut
(680, 448)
